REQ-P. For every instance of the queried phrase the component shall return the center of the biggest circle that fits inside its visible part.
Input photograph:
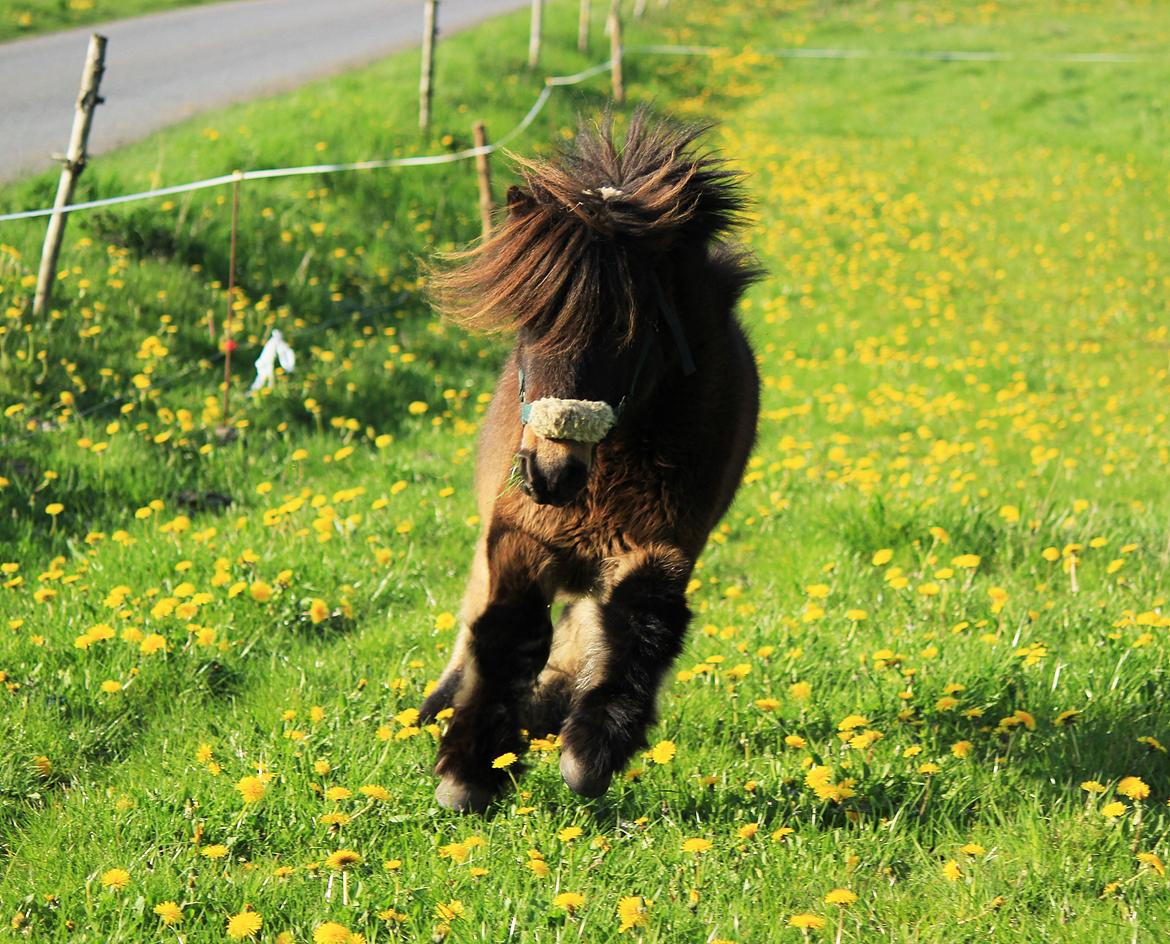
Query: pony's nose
(552, 483)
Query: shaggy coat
(612, 271)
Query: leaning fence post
(534, 34)
(483, 172)
(75, 157)
(426, 80)
(615, 51)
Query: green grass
(964, 349)
(21, 18)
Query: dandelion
(810, 921)
(663, 752)
(1134, 788)
(1113, 810)
(318, 611)
(245, 924)
(251, 789)
(331, 933)
(375, 792)
(342, 859)
(214, 852)
(633, 912)
(504, 761)
(569, 901)
(116, 879)
(951, 871)
(169, 912)
(1152, 860)
(569, 833)
(261, 592)
(696, 845)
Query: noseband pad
(586, 421)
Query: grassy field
(28, 17)
(921, 697)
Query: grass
(952, 534)
(30, 17)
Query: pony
(616, 438)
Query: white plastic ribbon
(276, 348)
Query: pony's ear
(519, 203)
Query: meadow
(22, 18)
(920, 697)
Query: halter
(670, 314)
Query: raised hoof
(580, 780)
(462, 797)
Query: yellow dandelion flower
(260, 591)
(169, 912)
(342, 858)
(633, 912)
(696, 845)
(318, 613)
(569, 833)
(811, 921)
(1133, 787)
(1152, 860)
(374, 792)
(569, 901)
(504, 761)
(116, 878)
(840, 896)
(214, 852)
(1113, 810)
(331, 933)
(251, 789)
(951, 871)
(338, 793)
(245, 924)
(663, 752)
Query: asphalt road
(166, 67)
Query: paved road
(168, 66)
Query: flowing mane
(585, 231)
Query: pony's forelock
(568, 262)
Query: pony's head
(582, 268)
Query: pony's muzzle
(552, 479)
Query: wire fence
(550, 85)
(559, 81)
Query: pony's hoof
(462, 797)
(580, 779)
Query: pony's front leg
(505, 647)
(644, 617)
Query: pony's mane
(584, 235)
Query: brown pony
(611, 268)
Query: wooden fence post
(639, 9)
(483, 172)
(615, 50)
(426, 80)
(534, 34)
(583, 27)
(74, 164)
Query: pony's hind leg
(643, 618)
(578, 644)
(502, 650)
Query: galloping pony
(617, 436)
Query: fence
(481, 151)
